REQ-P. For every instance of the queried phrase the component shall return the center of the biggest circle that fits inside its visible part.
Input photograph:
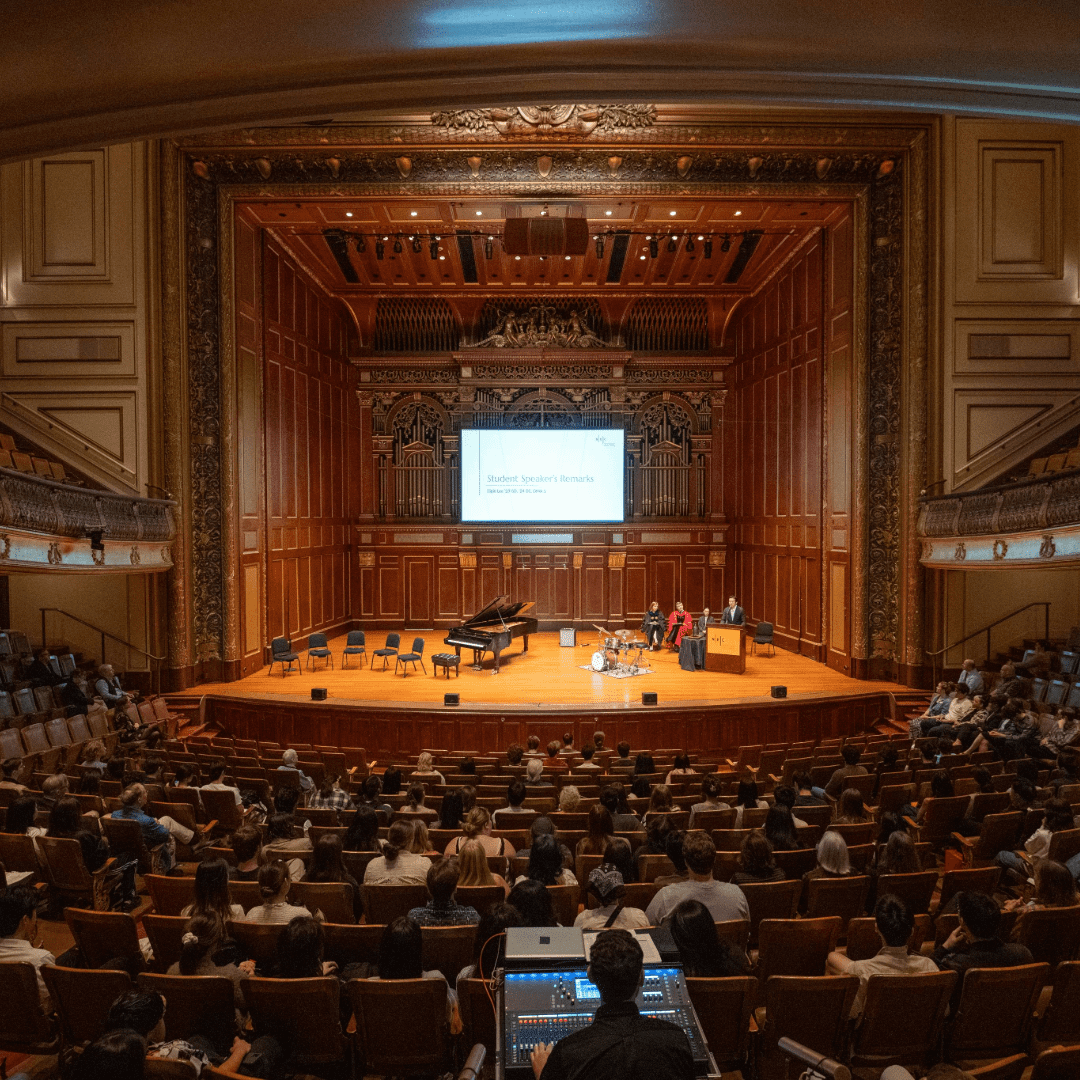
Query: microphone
(826, 1066)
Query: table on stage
(692, 653)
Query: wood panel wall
(298, 452)
(773, 455)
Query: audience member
(613, 796)
(850, 810)
(290, 762)
(600, 831)
(1057, 816)
(514, 753)
(246, 844)
(414, 802)
(851, 767)
(533, 902)
(10, 773)
(452, 810)
(19, 820)
(724, 900)
(606, 885)
(327, 866)
(711, 788)
(425, 766)
(160, 832)
(569, 800)
(546, 863)
(587, 764)
(215, 781)
(205, 950)
(442, 909)
(975, 942)
(490, 939)
(477, 827)
(779, 829)
(20, 942)
(673, 848)
(756, 862)
(804, 791)
(120, 1055)
(301, 949)
(274, 885)
(397, 865)
(703, 954)
(474, 868)
(108, 688)
(747, 799)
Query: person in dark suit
(704, 621)
(733, 614)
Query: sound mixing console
(546, 1006)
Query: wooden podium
(725, 649)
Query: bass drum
(599, 661)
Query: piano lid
(497, 611)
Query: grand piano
(493, 628)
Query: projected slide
(534, 476)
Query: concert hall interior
(464, 333)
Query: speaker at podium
(725, 649)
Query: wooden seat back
(481, 897)
(564, 902)
(795, 946)
(82, 997)
(724, 1007)
(103, 935)
(1057, 1063)
(1051, 934)
(810, 1010)
(864, 941)
(24, 1026)
(916, 890)
(197, 1005)
(477, 1015)
(170, 895)
(332, 898)
(771, 900)
(1060, 1022)
(257, 940)
(302, 1014)
(166, 933)
(448, 949)
(843, 897)
(385, 903)
(378, 1008)
(995, 1012)
(351, 943)
(982, 879)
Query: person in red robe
(679, 623)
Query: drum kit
(616, 652)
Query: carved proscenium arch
(543, 409)
(665, 421)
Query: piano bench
(446, 661)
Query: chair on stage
(318, 646)
(281, 652)
(354, 646)
(415, 657)
(764, 636)
(388, 650)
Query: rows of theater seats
(1063, 461)
(787, 994)
(1058, 685)
(13, 458)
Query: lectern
(725, 649)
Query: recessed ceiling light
(671, 213)
(701, 237)
(412, 213)
(479, 213)
(738, 213)
(517, 258)
(442, 258)
(348, 213)
(607, 213)
(642, 258)
(567, 258)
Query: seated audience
(414, 803)
(555, 762)
(281, 836)
(160, 832)
(205, 950)
(478, 827)
(534, 776)
(514, 753)
(1054, 887)
(644, 765)
(784, 795)
(895, 925)
(327, 866)
(371, 797)
(587, 763)
(804, 791)
(851, 810)
(425, 766)
(623, 750)
(619, 855)
(975, 943)
(659, 803)
(779, 829)
(474, 869)
(533, 744)
(274, 883)
(680, 767)
(215, 781)
(544, 826)
(851, 767)
(490, 941)
(568, 744)
(606, 885)
(301, 949)
(711, 788)
(400, 957)
(397, 865)
(832, 861)
(1057, 816)
(108, 688)
(452, 811)
(19, 820)
(20, 942)
(724, 901)
(421, 842)
(93, 756)
(330, 795)
(569, 800)
(756, 862)
(290, 762)
(600, 831)
(442, 909)
(620, 1042)
(533, 902)
(673, 848)
(703, 954)
(54, 787)
(546, 863)
(246, 843)
(10, 773)
(613, 796)
(747, 799)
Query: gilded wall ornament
(541, 327)
(544, 121)
(5, 546)
(1001, 549)
(55, 557)
(135, 558)
(1047, 548)
(960, 554)
(98, 557)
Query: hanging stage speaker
(451, 699)
(318, 693)
(648, 697)
(779, 691)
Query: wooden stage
(544, 692)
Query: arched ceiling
(77, 73)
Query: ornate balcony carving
(44, 524)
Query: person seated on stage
(546, 863)
(442, 909)
(425, 766)
(477, 827)
(680, 767)
(534, 775)
(733, 614)
(290, 761)
(747, 799)
(620, 1043)
(724, 900)
(607, 886)
(568, 744)
(705, 620)
(554, 762)
(711, 788)
(398, 865)
(533, 743)
(514, 753)
(587, 762)
(246, 843)
(652, 626)
(544, 826)
(414, 803)
(679, 623)
(613, 796)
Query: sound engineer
(620, 1044)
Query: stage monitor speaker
(567, 637)
(648, 697)
(318, 693)
(451, 699)
(779, 691)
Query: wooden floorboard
(546, 676)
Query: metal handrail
(1044, 604)
(104, 634)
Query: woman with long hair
(300, 950)
(452, 811)
(533, 903)
(619, 855)
(398, 865)
(490, 941)
(850, 810)
(680, 767)
(474, 869)
(425, 766)
(660, 802)
(414, 802)
(212, 893)
(363, 832)
(747, 799)
(780, 829)
(400, 957)
(546, 863)
(477, 826)
(704, 955)
(327, 866)
(711, 789)
(66, 823)
(600, 831)
(205, 950)
(19, 819)
(756, 862)
(274, 885)
(421, 842)
(644, 765)
(652, 626)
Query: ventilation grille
(587, 307)
(404, 324)
(668, 324)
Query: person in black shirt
(39, 672)
(620, 1044)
